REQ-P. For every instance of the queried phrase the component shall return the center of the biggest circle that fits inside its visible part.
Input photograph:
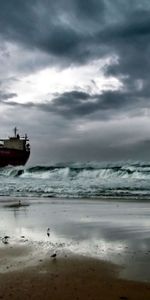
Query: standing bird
(5, 239)
(54, 255)
(48, 232)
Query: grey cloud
(131, 41)
(106, 105)
(72, 32)
(54, 138)
(93, 10)
(5, 96)
(69, 27)
(63, 29)
(75, 31)
(38, 25)
(77, 104)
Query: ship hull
(13, 157)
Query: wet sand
(102, 249)
(71, 278)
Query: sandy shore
(71, 278)
(102, 247)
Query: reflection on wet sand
(16, 205)
(115, 231)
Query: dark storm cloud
(65, 29)
(90, 9)
(72, 29)
(76, 104)
(106, 105)
(130, 41)
(38, 25)
(5, 96)
(75, 31)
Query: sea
(90, 180)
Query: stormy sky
(75, 75)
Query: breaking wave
(80, 180)
(71, 171)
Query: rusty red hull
(13, 157)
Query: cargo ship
(14, 150)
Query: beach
(74, 249)
(74, 278)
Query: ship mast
(15, 131)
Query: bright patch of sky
(43, 85)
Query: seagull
(5, 239)
(48, 232)
(54, 255)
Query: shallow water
(112, 230)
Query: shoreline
(102, 249)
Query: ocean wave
(79, 180)
(70, 171)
